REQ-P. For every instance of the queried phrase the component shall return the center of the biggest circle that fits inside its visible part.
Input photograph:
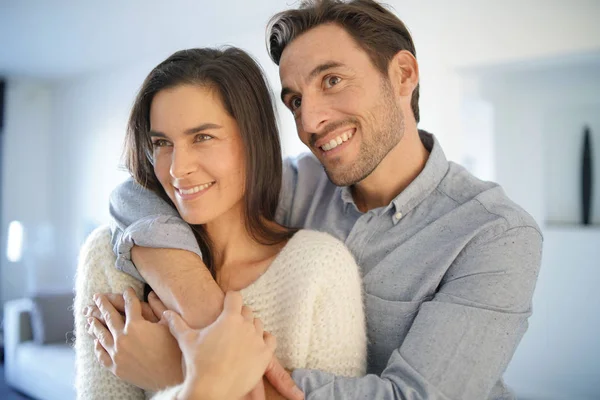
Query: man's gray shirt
(448, 267)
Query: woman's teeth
(196, 189)
(337, 141)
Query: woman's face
(198, 152)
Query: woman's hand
(136, 350)
(228, 358)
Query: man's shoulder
(304, 163)
(484, 197)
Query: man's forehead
(323, 44)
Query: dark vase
(586, 178)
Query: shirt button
(398, 215)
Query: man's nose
(314, 114)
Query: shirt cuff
(154, 231)
(310, 380)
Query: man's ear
(403, 71)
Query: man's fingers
(112, 318)
(156, 305)
(177, 325)
(133, 308)
(282, 381)
(100, 333)
(233, 303)
(247, 314)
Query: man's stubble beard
(373, 148)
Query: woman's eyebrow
(190, 131)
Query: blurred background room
(508, 87)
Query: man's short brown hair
(375, 29)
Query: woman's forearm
(182, 282)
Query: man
(449, 263)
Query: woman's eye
(203, 138)
(160, 143)
(295, 103)
(332, 81)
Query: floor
(7, 393)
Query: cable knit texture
(310, 298)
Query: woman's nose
(183, 162)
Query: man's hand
(228, 358)
(136, 350)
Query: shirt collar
(421, 187)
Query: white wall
(27, 187)
(539, 111)
(558, 358)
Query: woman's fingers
(112, 318)
(101, 333)
(156, 305)
(233, 303)
(258, 325)
(133, 307)
(270, 341)
(247, 314)
(102, 355)
(118, 302)
(177, 326)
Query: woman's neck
(235, 252)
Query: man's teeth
(337, 141)
(196, 189)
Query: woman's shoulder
(316, 240)
(319, 248)
(97, 244)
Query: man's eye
(332, 81)
(295, 103)
(160, 143)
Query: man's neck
(395, 172)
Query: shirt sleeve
(462, 340)
(286, 194)
(140, 217)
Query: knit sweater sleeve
(96, 274)
(338, 342)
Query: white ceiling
(62, 38)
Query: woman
(203, 136)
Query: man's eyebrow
(284, 92)
(322, 68)
(315, 71)
(190, 131)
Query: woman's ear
(403, 71)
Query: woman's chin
(192, 218)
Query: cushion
(52, 318)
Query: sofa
(39, 359)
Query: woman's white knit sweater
(310, 298)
